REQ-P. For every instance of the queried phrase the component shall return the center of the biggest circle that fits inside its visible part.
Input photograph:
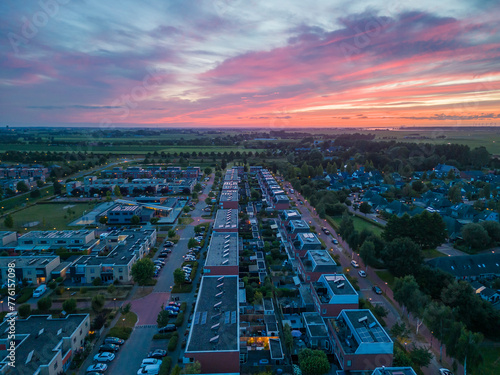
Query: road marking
(146, 326)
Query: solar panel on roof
(364, 335)
(196, 318)
(233, 317)
(204, 317)
(227, 317)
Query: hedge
(165, 366)
(120, 332)
(172, 344)
(179, 320)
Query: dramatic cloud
(230, 63)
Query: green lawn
(432, 253)
(386, 276)
(360, 224)
(48, 216)
(17, 201)
(491, 356)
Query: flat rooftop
(122, 251)
(275, 348)
(336, 284)
(124, 208)
(226, 219)
(29, 261)
(30, 337)
(49, 234)
(292, 215)
(321, 261)
(394, 371)
(230, 185)
(299, 224)
(309, 238)
(216, 316)
(223, 249)
(229, 196)
(315, 324)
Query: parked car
(104, 357)
(172, 308)
(157, 353)
(167, 328)
(109, 348)
(174, 304)
(149, 370)
(150, 361)
(114, 340)
(163, 255)
(354, 263)
(39, 291)
(377, 290)
(97, 367)
(334, 240)
(445, 371)
(362, 273)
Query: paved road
(147, 308)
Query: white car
(362, 273)
(150, 361)
(97, 367)
(104, 357)
(445, 371)
(354, 263)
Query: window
(324, 311)
(92, 270)
(55, 365)
(349, 363)
(44, 242)
(120, 269)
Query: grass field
(387, 277)
(48, 216)
(14, 202)
(360, 224)
(491, 356)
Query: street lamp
(2, 304)
(114, 302)
(386, 287)
(123, 322)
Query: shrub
(172, 344)
(60, 291)
(59, 279)
(44, 304)
(120, 332)
(69, 306)
(179, 320)
(97, 281)
(165, 366)
(52, 284)
(24, 310)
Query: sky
(242, 63)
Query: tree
(154, 220)
(192, 368)
(400, 331)
(346, 226)
(44, 304)
(111, 289)
(208, 200)
(429, 230)
(208, 171)
(455, 193)
(108, 196)
(475, 236)
(401, 359)
(287, 336)
(103, 220)
(143, 271)
(9, 221)
(35, 193)
(162, 319)
(97, 303)
(192, 243)
(69, 306)
(24, 310)
(135, 220)
(22, 187)
(116, 191)
(178, 276)
(402, 257)
(313, 362)
(407, 293)
(421, 357)
(468, 350)
(365, 208)
(57, 188)
(493, 229)
(186, 209)
(171, 233)
(198, 187)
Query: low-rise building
(214, 335)
(359, 342)
(73, 240)
(222, 255)
(394, 371)
(469, 267)
(304, 242)
(7, 238)
(226, 220)
(316, 331)
(123, 214)
(316, 263)
(229, 199)
(43, 345)
(332, 294)
(35, 270)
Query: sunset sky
(232, 63)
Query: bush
(24, 310)
(165, 366)
(172, 344)
(97, 281)
(26, 295)
(52, 284)
(179, 320)
(162, 336)
(69, 306)
(120, 332)
(44, 304)
(59, 279)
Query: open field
(360, 224)
(47, 216)
(10, 203)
